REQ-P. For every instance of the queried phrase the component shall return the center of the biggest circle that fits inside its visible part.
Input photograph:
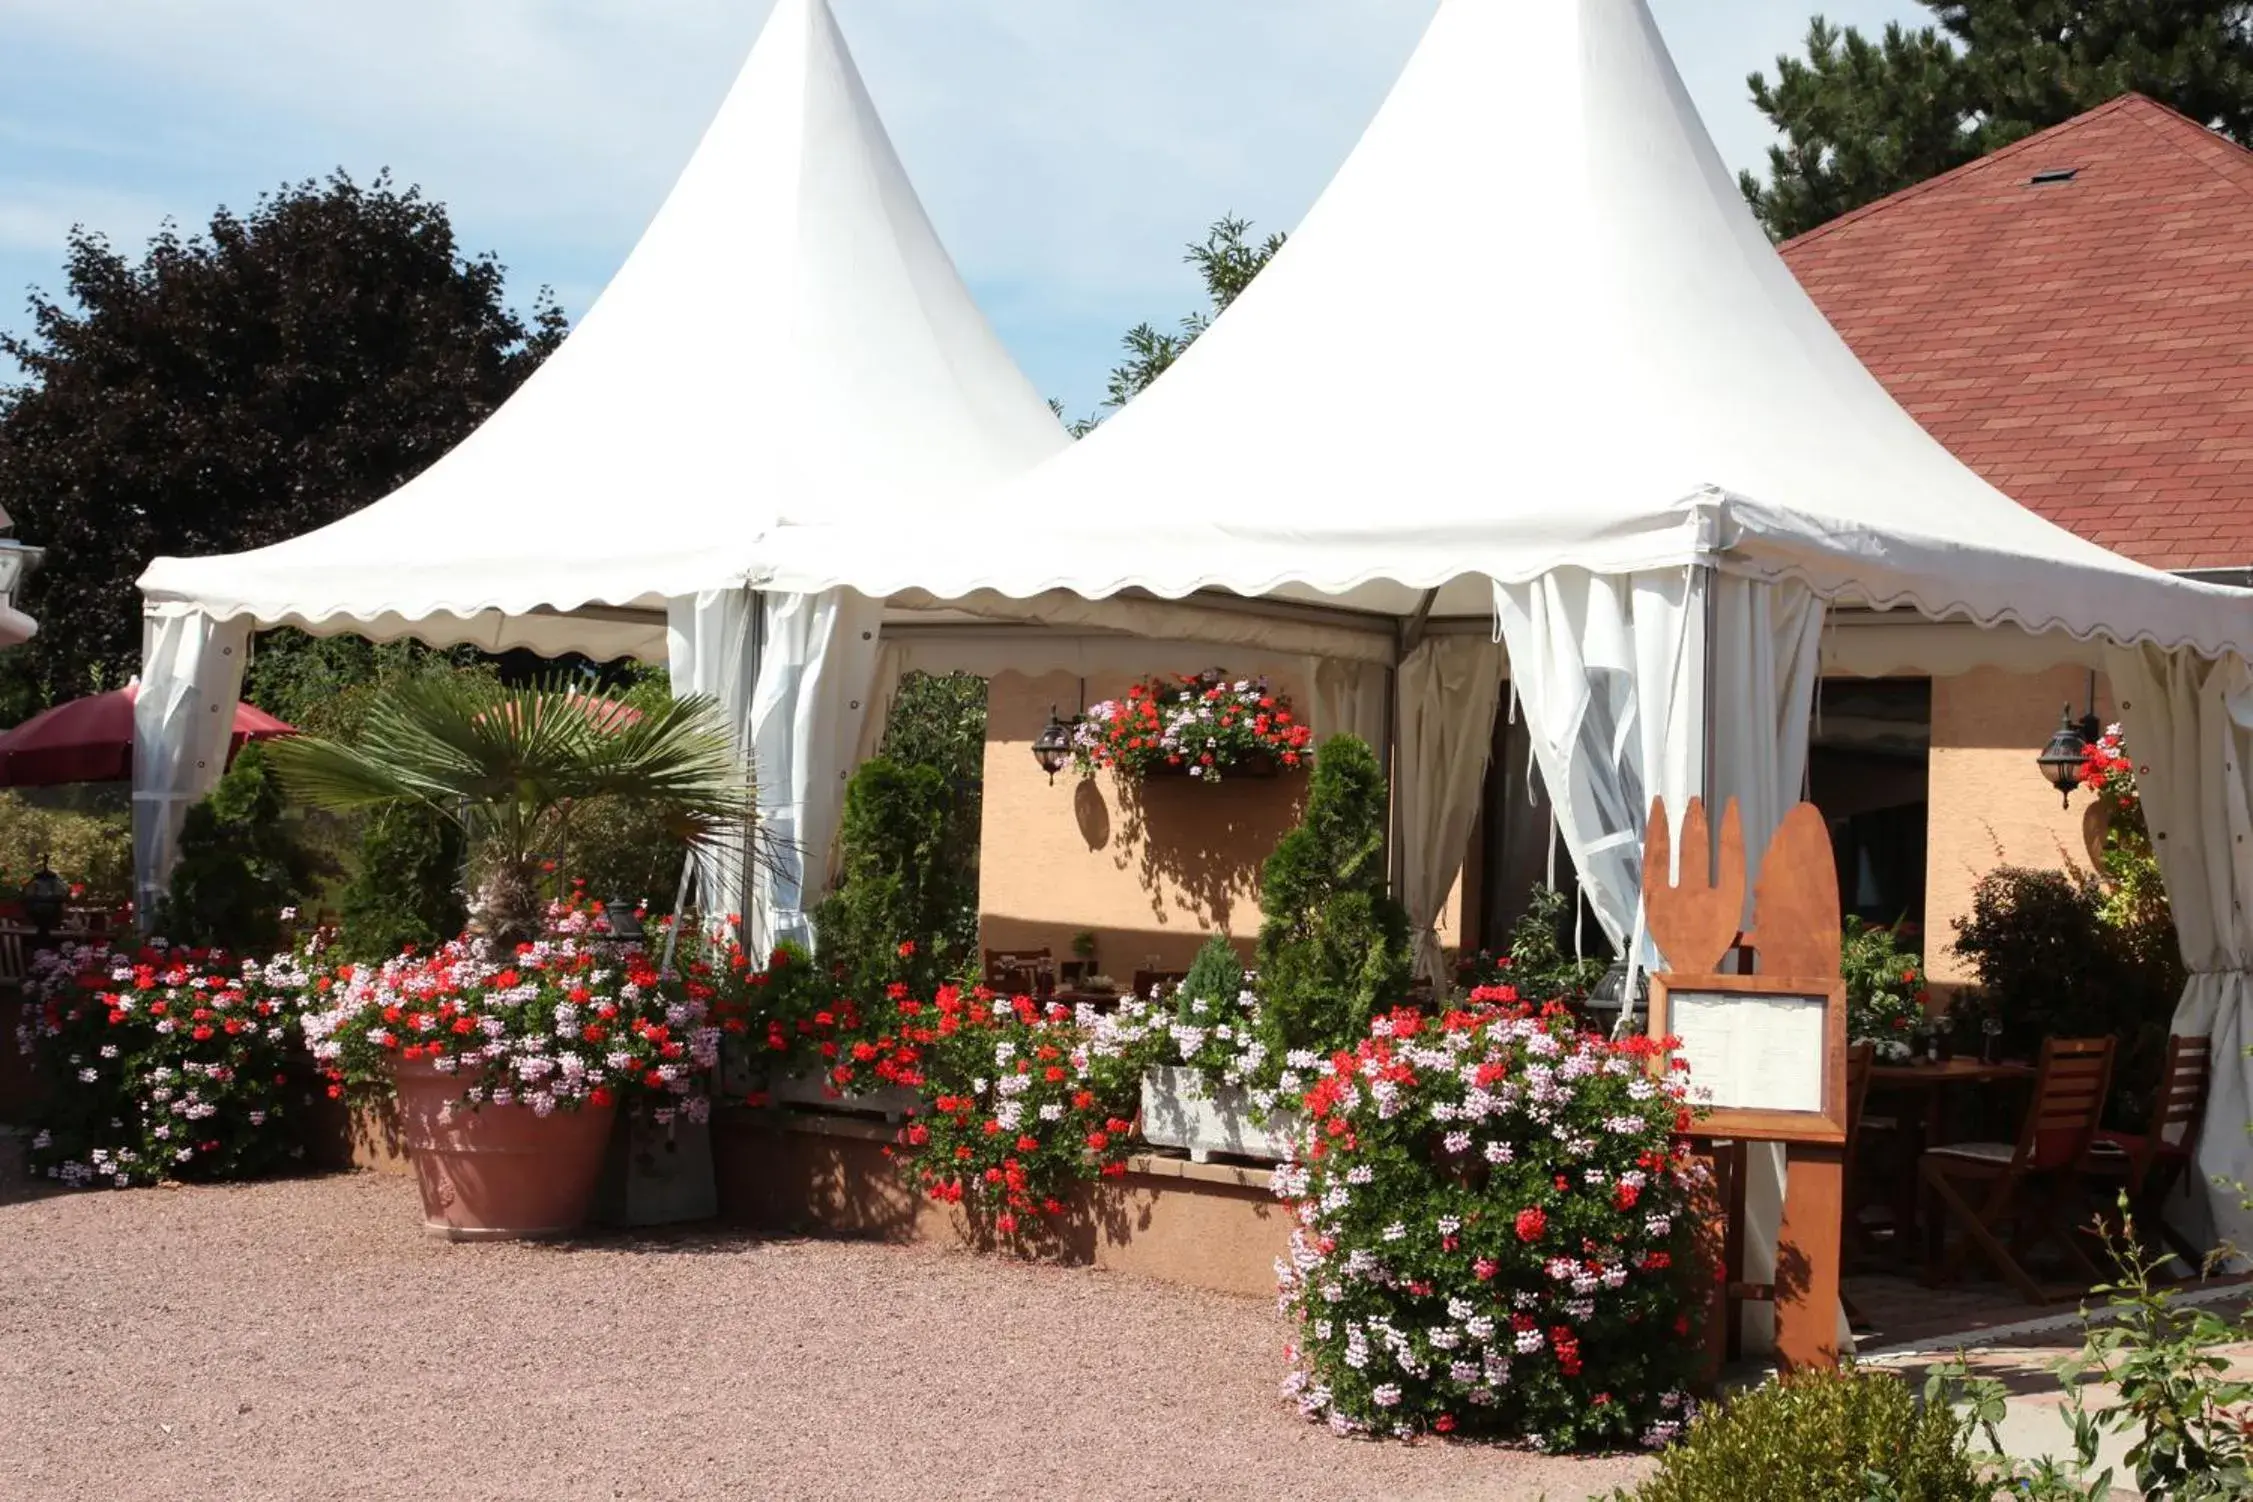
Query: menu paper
(1752, 1052)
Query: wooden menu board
(1768, 1042)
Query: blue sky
(1065, 149)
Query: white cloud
(1065, 148)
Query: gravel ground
(304, 1339)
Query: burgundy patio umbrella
(91, 740)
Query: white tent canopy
(787, 340)
(1530, 324)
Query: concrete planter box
(1180, 1110)
(892, 1102)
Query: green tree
(1333, 948)
(234, 388)
(1863, 118)
(1226, 261)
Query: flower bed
(1494, 1234)
(1202, 725)
(166, 1064)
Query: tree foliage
(234, 388)
(1226, 260)
(1333, 948)
(1865, 117)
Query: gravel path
(303, 1339)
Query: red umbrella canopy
(91, 740)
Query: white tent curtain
(191, 678)
(1345, 697)
(1448, 690)
(2190, 726)
(818, 662)
(1608, 670)
(712, 649)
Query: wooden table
(1934, 1080)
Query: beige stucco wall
(1151, 875)
(1989, 805)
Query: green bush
(1845, 1436)
(2051, 964)
(1334, 947)
(91, 850)
(896, 890)
(240, 864)
(405, 886)
(1215, 975)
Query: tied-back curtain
(1448, 690)
(183, 718)
(2190, 727)
(1607, 669)
(712, 649)
(817, 669)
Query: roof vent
(2054, 175)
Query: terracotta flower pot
(497, 1173)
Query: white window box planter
(1180, 1110)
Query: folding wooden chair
(2020, 1184)
(2150, 1163)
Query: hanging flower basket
(1205, 726)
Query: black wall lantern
(2061, 759)
(1052, 748)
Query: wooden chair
(1020, 972)
(2149, 1164)
(2020, 1184)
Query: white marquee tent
(1528, 362)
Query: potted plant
(1206, 726)
(1885, 990)
(508, 1066)
(509, 1050)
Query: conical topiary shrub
(1333, 948)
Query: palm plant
(510, 767)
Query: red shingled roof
(2086, 345)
